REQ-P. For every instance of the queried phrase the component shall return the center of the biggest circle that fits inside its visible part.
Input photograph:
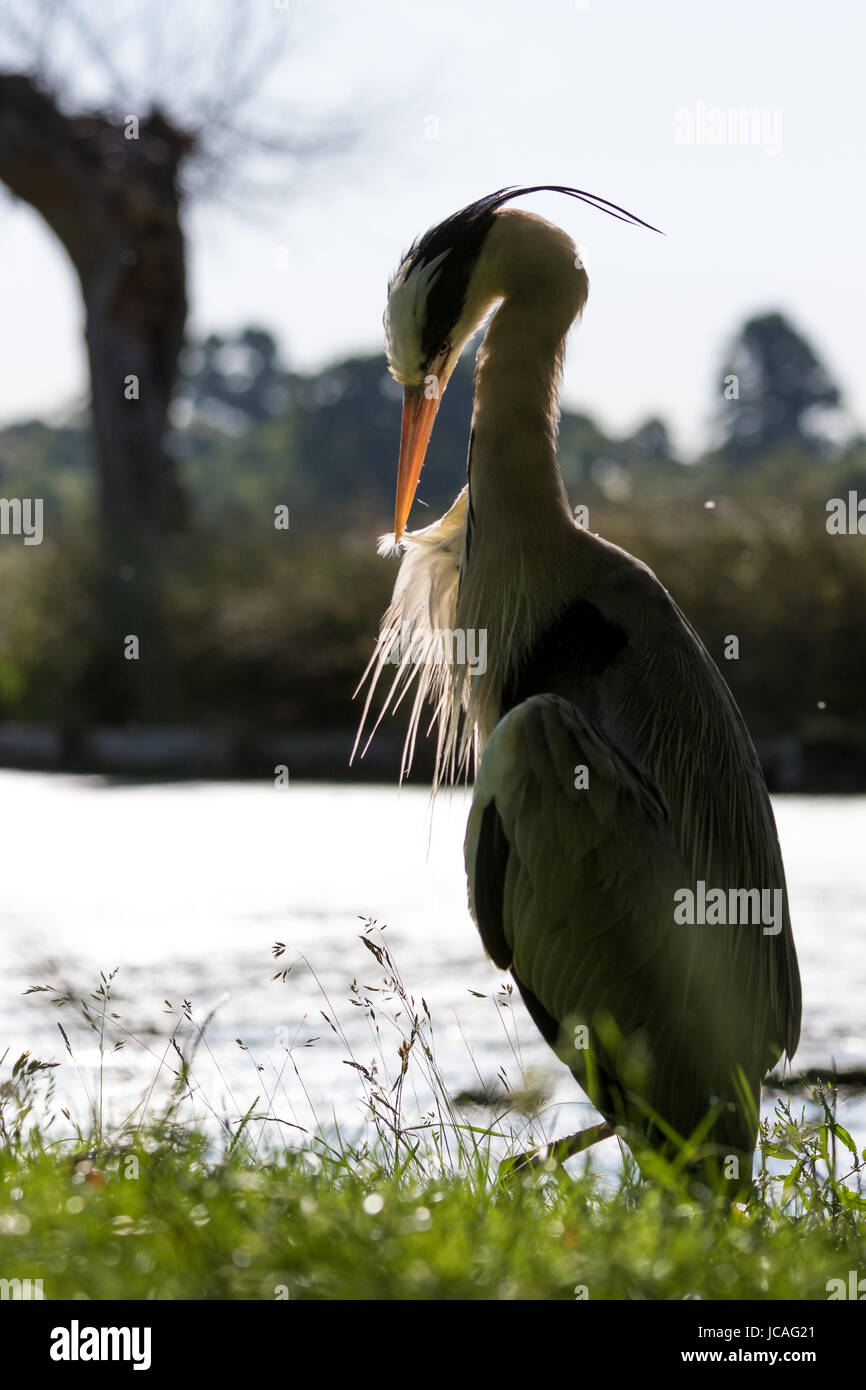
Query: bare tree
(110, 120)
(110, 182)
(111, 196)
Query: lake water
(186, 887)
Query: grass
(161, 1222)
(254, 1205)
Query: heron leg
(558, 1151)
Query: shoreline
(827, 766)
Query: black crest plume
(464, 234)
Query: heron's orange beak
(420, 404)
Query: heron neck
(522, 557)
(514, 477)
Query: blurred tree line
(268, 625)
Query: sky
(636, 102)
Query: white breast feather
(412, 643)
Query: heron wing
(573, 887)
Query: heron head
(435, 304)
(438, 298)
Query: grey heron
(614, 774)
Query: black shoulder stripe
(580, 645)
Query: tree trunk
(110, 194)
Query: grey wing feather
(573, 889)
